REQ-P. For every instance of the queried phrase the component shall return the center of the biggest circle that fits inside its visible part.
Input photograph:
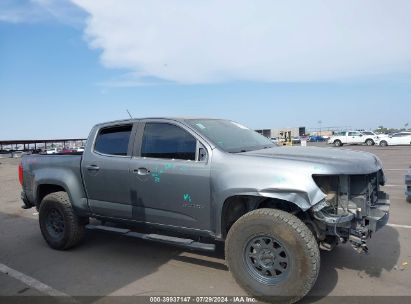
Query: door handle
(142, 171)
(93, 168)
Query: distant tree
(381, 129)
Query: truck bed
(63, 169)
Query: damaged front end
(354, 208)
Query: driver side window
(167, 141)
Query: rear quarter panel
(59, 170)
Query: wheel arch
(236, 206)
(45, 189)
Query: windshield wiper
(241, 151)
(251, 149)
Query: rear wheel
(369, 142)
(383, 143)
(338, 143)
(60, 226)
(273, 255)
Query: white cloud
(190, 41)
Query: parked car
(370, 134)
(17, 154)
(274, 140)
(396, 139)
(296, 140)
(353, 138)
(68, 151)
(408, 183)
(316, 138)
(52, 151)
(198, 182)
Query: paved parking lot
(110, 265)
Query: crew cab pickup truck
(353, 138)
(200, 182)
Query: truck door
(171, 177)
(106, 173)
(354, 138)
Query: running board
(165, 239)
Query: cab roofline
(132, 120)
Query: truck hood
(324, 160)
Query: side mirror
(202, 154)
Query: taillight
(21, 174)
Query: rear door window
(113, 140)
(167, 141)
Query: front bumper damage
(353, 210)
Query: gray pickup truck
(198, 182)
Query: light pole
(320, 122)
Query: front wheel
(60, 226)
(383, 143)
(273, 255)
(338, 143)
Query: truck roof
(176, 118)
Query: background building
(301, 131)
(295, 132)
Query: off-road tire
(296, 238)
(369, 142)
(73, 226)
(338, 143)
(383, 143)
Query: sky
(67, 65)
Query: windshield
(230, 136)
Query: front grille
(343, 191)
(364, 189)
